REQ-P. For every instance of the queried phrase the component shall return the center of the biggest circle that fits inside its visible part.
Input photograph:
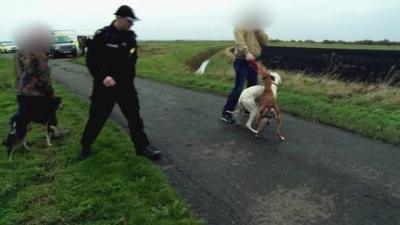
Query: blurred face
(251, 21)
(124, 23)
(253, 14)
(35, 37)
(41, 41)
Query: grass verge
(48, 185)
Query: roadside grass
(369, 110)
(48, 185)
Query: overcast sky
(211, 19)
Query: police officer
(111, 59)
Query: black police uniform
(113, 53)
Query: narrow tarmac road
(320, 175)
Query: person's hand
(109, 82)
(263, 73)
(250, 57)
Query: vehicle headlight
(57, 47)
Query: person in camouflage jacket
(35, 93)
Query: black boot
(149, 152)
(85, 153)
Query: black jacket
(113, 53)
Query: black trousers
(100, 110)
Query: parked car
(62, 45)
(6, 47)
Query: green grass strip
(48, 185)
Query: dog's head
(276, 78)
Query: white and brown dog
(250, 99)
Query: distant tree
(309, 41)
(328, 42)
(364, 42)
(275, 40)
(383, 42)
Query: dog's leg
(11, 142)
(48, 138)
(24, 139)
(237, 113)
(10, 151)
(260, 114)
(278, 124)
(253, 114)
(260, 128)
(252, 107)
(25, 143)
(260, 122)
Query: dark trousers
(21, 110)
(243, 73)
(100, 110)
(83, 51)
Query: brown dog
(267, 103)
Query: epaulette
(100, 31)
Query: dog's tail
(238, 108)
(233, 112)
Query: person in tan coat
(248, 46)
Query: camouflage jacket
(33, 74)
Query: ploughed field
(363, 65)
